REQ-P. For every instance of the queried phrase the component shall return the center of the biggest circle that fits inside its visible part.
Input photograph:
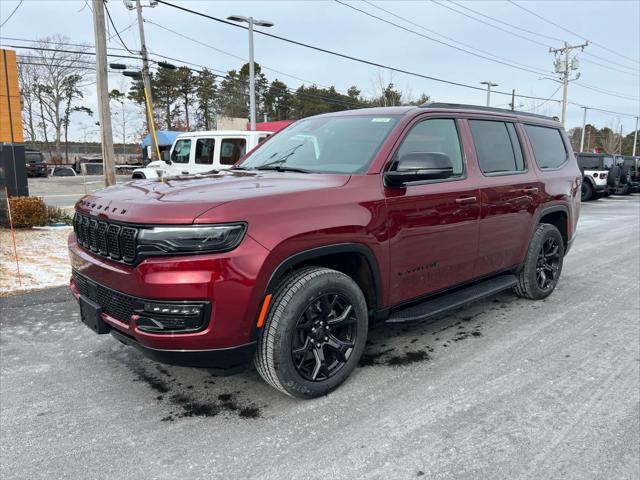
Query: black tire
(587, 191)
(138, 176)
(624, 189)
(538, 265)
(613, 177)
(286, 325)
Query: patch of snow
(43, 259)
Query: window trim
(409, 128)
(223, 138)
(191, 150)
(533, 153)
(518, 137)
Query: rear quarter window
(548, 146)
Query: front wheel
(542, 266)
(314, 333)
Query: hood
(179, 200)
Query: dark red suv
(338, 221)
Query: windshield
(340, 144)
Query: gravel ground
(505, 389)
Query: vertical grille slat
(105, 238)
(93, 237)
(113, 241)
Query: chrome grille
(105, 238)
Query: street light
(252, 80)
(489, 84)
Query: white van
(198, 152)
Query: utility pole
(620, 152)
(489, 84)
(584, 125)
(106, 133)
(564, 67)
(635, 138)
(146, 78)
(513, 99)
(252, 79)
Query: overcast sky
(614, 26)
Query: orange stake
(13, 237)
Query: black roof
(462, 106)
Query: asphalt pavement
(505, 389)
(64, 192)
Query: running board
(459, 298)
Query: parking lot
(64, 192)
(507, 388)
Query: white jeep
(199, 152)
(600, 175)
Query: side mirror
(416, 166)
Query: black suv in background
(36, 166)
(630, 177)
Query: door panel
(509, 195)
(433, 237)
(433, 226)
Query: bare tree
(28, 75)
(609, 139)
(55, 65)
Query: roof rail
(484, 109)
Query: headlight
(191, 239)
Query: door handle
(530, 191)
(185, 173)
(466, 200)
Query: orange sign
(10, 108)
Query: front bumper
(228, 282)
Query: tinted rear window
(548, 146)
(497, 146)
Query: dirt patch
(190, 403)
(369, 359)
(408, 358)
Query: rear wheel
(587, 191)
(624, 189)
(541, 270)
(314, 334)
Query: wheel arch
(559, 217)
(353, 259)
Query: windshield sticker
(380, 120)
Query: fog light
(170, 317)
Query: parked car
(198, 152)
(36, 166)
(342, 220)
(63, 171)
(600, 174)
(629, 179)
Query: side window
(588, 162)
(181, 151)
(548, 146)
(204, 151)
(231, 150)
(435, 135)
(262, 138)
(497, 146)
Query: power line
(11, 14)
(571, 32)
(536, 42)
(527, 69)
(114, 27)
(343, 55)
(230, 54)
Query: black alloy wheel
(325, 337)
(548, 264)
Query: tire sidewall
(587, 191)
(288, 376)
